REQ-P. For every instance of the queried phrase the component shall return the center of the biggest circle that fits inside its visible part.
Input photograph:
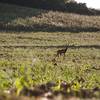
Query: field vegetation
(29, 40)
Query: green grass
(29, 55)
(19, 49)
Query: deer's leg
(63, 55)
(57, 55)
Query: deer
(61, 52)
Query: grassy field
(29, 48)
(30, 54)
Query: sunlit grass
(77, 62)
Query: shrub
(47, 4)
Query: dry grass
(28, 19)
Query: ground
(28, 58)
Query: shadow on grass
(51, 46)
(8, 13)
(46, 28)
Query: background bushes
(61, 5)
(45, 4)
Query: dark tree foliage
(45, 4)
(80, 8)
(61, 5)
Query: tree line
(61, 5)
(45, 4)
